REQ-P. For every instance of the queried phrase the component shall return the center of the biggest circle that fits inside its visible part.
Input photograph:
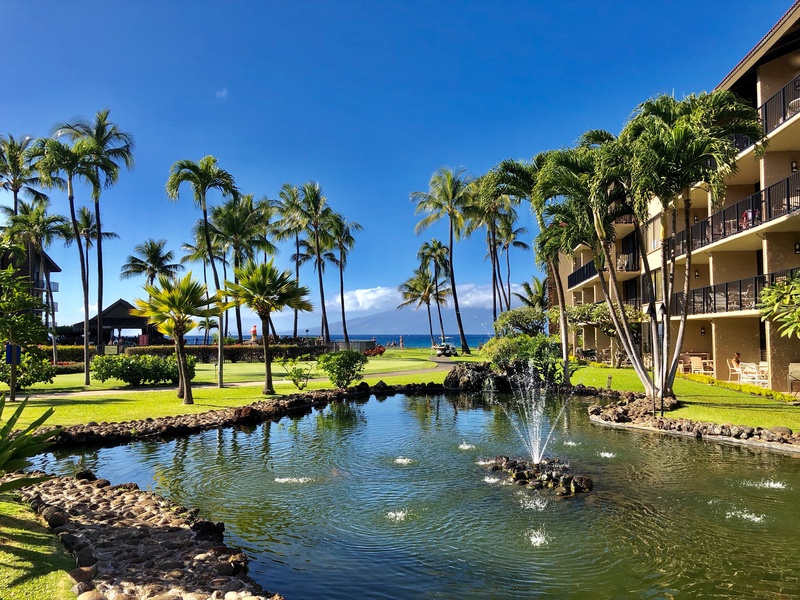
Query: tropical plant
(18, 173)
(449, 193)
(238, 224)
(82, 161)
(87, 227)
(508, 237)
(170, 307)
(150, 259)
(343, 241)
(298, 371)
(19, 325)
(436, 254)
(535, 293)
(112, 148)
(36, 228)
(265, 290)
(343, 367)
(289, 226)
(17, 446)
(780, 303)
(529, 320)
(202, 177)
(421, 288)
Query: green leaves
(17, 447)
(781, 303)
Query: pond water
(388, 499)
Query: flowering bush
(378, 350)
(142, 369)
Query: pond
(388, 499)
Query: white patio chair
(700, 366)
(733, 371)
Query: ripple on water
(466, 446)
(745, 515)
(489, 479)
(484, 462)
(607, 454)
(538, 537)
(397, 515)
(765, 484)
(534, 502)
(294, 479)
(402, 460)
(570, 443)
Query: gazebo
(116, 316)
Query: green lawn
(701, 402)
(33, 565)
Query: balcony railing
(742, 294)
(581, 274)
(782, 106)
(624, 220)
(776, 201)
(41, 285)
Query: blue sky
(368, 98)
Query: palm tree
(18, 169)
(77, 162)
(535, 293)
(113, 148)
(342, 231)
(421, 288)
(36, 228)
(521, 179)
(150, 259)
(170, 306)
(239, 224)
(204, 176)
(87, 227)
(291, 225)
(509, 237)
(435, 253)
(265, 290)
(206, 325)
(674, 144)
(449, 193)
(314, 212)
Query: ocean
(413, 340)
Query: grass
(702, 402)
(32, 565)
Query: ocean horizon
(411, 340)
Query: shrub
(142, 369)
(70, 353)
(541, 351)
(234, 353)
(16, 447)
(378, 350)
(747, 388)
(68, 368)
(34, 367)
(299, 373)
(344, 367)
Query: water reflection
(375, 500)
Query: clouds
(222, 94)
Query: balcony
(742, 294)
(781, 107)
(40, 285)
(581, 274)
(777, 200)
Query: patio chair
(750, 374)
(794, 376)
(700, 367)
(733, 370)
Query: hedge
(233, 353)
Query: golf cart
(445, 349)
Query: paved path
(443, 363)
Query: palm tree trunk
(562, 320)
(464, 345)
(220, 340)
(508, 277)
(430, 324)
(51, 307)
(100, 337)
(438, 305)
(269, 390)
(84, 281)
(183, 371)
(296, 278)
(236, 265)
(326, 335)
(341, 296)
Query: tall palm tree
(422, 288)
(202, 177)
(238, 223)
(509, 237)
(18, 173)
(36, 228)
(674, 145)
(449, 193)
(150, 259)
(342, 232)
(77, 162)
(265, 290)
(114, 148)
(170, 306)
(314, 212)
(289, 226)
(87, 228)
(436, 254)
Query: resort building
(747, 243)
